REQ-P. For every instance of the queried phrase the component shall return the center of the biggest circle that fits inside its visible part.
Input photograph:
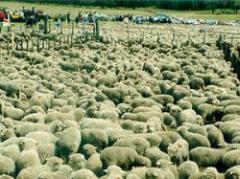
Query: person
(2, 15)
(68, 17)
(79, 18)
(90, 17)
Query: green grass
(58, 9)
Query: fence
(48, 35)
(231, 54)
(73, 34)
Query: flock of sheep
(119, 110)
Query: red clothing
(2, 15)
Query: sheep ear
(155, 174)
(105, 171)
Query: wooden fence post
(49, 27)
(49, 44)
(43, 44)
(32, 42)
(0, 49)
(13, 42)
(46, 24)
(38, 45)
(21, 44)
(72, 33)
(8, 47)
(27, 44)
(173, 39)
(232, 39)
(205, 37)
(97, 29)
(61, 27)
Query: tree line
(165, 4)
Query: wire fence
(72, 34)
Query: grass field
(57, 9)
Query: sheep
(94, 164)
(77, 161)
(227, 127)
(87, 150)
(215, 136)
(10, 141)
(232, 109)
(179, 151)
(64, 172)
(184, 104)
(179, 92)
(27, 158)
(56, 126)
(233, 172)
(7, 133)
(11, 88)
(187, 169)
(98, 123)
(168, 167)
(114, 94)
(174, 110)
(69, 141)
(153, 138)
(34, 118)
(163, 99)
(45, 151)
(114, 171)
(142, 116)
(108, 114)
(54, 163)
(8, 122)
(42, 137)
(231, 158)
(206, 156)
(194, 140)
(154, 173)
(12, 151)
(123, 107)
(137, 127)
(132, 176)
(74, 115)
(209, 172)
(196, 128)
(155, 154)
(12, 112)
(139, 171)
(146, 102)
(145, 91)
(5, 177)
(124, 157)
(167, 138)
(96, 137)
(114, 134)
(137, 143)
(7, 165)
(23, 128)
(159, 173)
(32, 172)
(210, 113)
(230, 117)
(155, 124)
(70, 123)
(187, 115)
(169, 121)
(41, 99)
(82, 174)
